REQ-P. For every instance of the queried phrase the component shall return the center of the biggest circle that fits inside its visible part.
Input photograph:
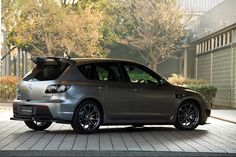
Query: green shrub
(8, 87)
(208, 91)
(201, 86)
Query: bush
(8, 87)
(201, 86)
(208, 91)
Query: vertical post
(8, 65)
(22, 63)
(25, 63)
(18, 63)
(14, 65)
(196, 67)
(185, 62)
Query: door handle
(138, 90)
(103, 88)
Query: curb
(58, 153)
(223, 119)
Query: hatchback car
(87, 93)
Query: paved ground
(216, 137)
(224, 114)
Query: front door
(153, 98)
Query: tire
(87, 117)
(188, 116)
(39, 126)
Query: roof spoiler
(42, 60)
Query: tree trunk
(154, 66)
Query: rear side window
(48, 71)
(101, 71)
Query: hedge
(8, 87)
(201, 86)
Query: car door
(116, 95)
(153, 98)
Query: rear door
(114, 92)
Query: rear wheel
(39, 126)
(87, 117)
(188, 116)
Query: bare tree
(155, 27)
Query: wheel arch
(186, 100)
(91, 99)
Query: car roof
(80, 61)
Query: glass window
(138, 75)
(49, 71)
(87, 71)
(102, 72)
(108, 72)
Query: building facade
(214, 43)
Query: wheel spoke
(188, 115)
(89, 117)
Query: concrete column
(185, 62)
(8, 65)
(18, 63)
(22, 63)
(25, 63)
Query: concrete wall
(219, 68)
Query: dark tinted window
(49, 71)
(101, 71)
(87, 71)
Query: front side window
(139, 75)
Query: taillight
(57, 88)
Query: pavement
(216, 138)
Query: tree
(49, 28)
(154, 27)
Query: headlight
(57, 88)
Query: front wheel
(87, 117)
(39, 126)
(188, 116)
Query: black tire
(87, 117)
(188, 116)
(39, 126)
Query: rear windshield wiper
(42, 60)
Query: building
(214, 43)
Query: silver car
(87, 93)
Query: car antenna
(67, 55)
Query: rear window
(47, 71)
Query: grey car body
(121, 101)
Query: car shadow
(129, 129)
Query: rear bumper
(43, 111)
(33, 112)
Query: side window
(138, 75)
(87, 71)
(101, 71)
(108, 72)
